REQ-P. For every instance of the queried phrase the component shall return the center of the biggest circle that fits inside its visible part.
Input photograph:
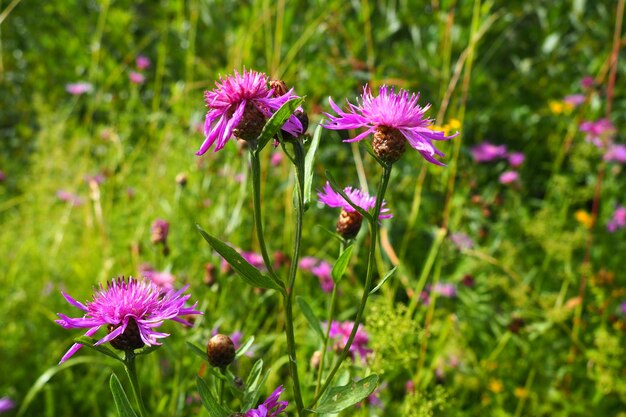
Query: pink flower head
(342, 330)
(255, 259)
(323, 273)
(159, 231)
(516, 159)
(574, 99)
(389, 110)
(140, 304)
(6, 404)
(622, 308)
(164, 279)
(619, 219)
(599, 132)
(270, 407)
(68, 197)
(277, 158)
(308, 262)
(332, 199)
(79, 88)
(616, 153)
(462, 241)
(238, 98)
(487, 152)
(445, 290)
(587, 82)
(142, 62)
(136, 77)
(508, 177)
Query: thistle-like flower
(239, 106)
(394, 119)
(270, 407)
(341, 331)
(350, 220)
(130, 309)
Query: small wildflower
(71, 198)
(142, 62)
(508, 177)
(461, 241)
(271, 407)
(130, 309)
(393, 119)
(136, 77)
(616, 153)
(618, 221)
(520, 392)
(159, 231)
(323, 273)
(468, 280)
(495, 386)
(599, 132)
(277, 158)
(487, 152)
(574, 100)
(308, 262)
(79, 88)
(622, 308)
(342, 330)
(587, 82)
(556, 107)
(239, 106)
(164, 280)
(584, 218)
(6, 404)
(446, 290)
(516, 159)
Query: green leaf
(340, 398)
(277, 121)
(210, 403)
(308, 164)
(310, 316)
(199, 352)
(382, 281)
(90, 343)
(246, 271)
(339, 269)
(244, 348)
(339, 190)
(253, 385)
(122, 404)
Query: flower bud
(220, 351)
(388, 144)
(316, 358)
(159, 231)
(251, 124)
(349, 223)
(181, 179)
(130, 339)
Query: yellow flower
(495, 385)
(556, 107)
(520, 392)
(584, 218)
(454, 124)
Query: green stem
(129, 366)
(289, 329)
(374, 228)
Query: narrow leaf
(340, 398)
(197, 351)
(339, 269)
(339, 190)
(210, 403)
(90, 343)
(310, 316)
(247, 272)
(244, 348)
(277, 121)
(122, 404)
(308, 164)
(382, 281)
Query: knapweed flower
(394, 119)
(508, 177)
(350, 220)
(73, 199)
(487, 152)
(239, 106)
(587, 82)
(136, 77)
(6, 404)
(142, 62)
(574, 100)
(323, 272)
(79, 88)
(616, 153)
(618, 221)
(163, 279)
(446, 290)
(599, 132)
(516, 159)
(159, 231)
(270, 407)
(130, 309)
(341, 331)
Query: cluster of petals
(393, 110)
(228, 101)
(342, 330)
(164, 279)
(616, 152)
(128, 299)
(487, 152)
(360, 198)
(270, 407)
(79, 88)
(321, 269)
(618, 221)
(599, 132)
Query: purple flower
(270, 407)
(508, 177)
(618, 221)
(393, 119)
(137, 305)
(6, 404)
(598, 132)
(277, 158)
(445, 290)
(239, 106)
(164, 280)
(622, 308)
(516, 159)
(3, 176)
(616, 153)
(332, 199)
(341, 331)
(159, 230)
(136, 77)
(574, 99)
(487, 152)
(142, 62)
(79, 88)
(308, 262)
(68, 197)
(587, 82)
(323, 272)
(462, 241)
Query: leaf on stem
(340, 398)
(339, 269)
(338, 190)
(210, 403)
(247, 272)
(120, 398)
(310, 316)
(244, 348)
(308, 164)
(277, 121)
(382, 281)
(254, 382)
(90, 343)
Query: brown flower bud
(130, 339)
(349, 223)
(251, 124)
(181, 179)
(388, 144)
(220, 351)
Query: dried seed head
(220, 351)
(349, 223)
(130, 339)
(388, 144)
(251, 124)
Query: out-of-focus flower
(394, 119)
(622, 308)
(487, 152)
(446, 290)
(239, 106)
(79, 88)
(342, 330)
(461, 241)
(255, 259)
(68, 197)
(599, 132)
(584, 218)
(508, 177)
(277, 158)
(495, 386)
(587, 82)
(142, 62)
(270, 407)
(558, 107)
(136, 77)
(618, 221)
(97, 179)
(323, 273)
(516, 159)
(616, 152)
(308, 262)
(6, 404)
(3, 176)
(159, 231)
(164, 279)
(574, 100)
(130, 309)
(520, 392)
